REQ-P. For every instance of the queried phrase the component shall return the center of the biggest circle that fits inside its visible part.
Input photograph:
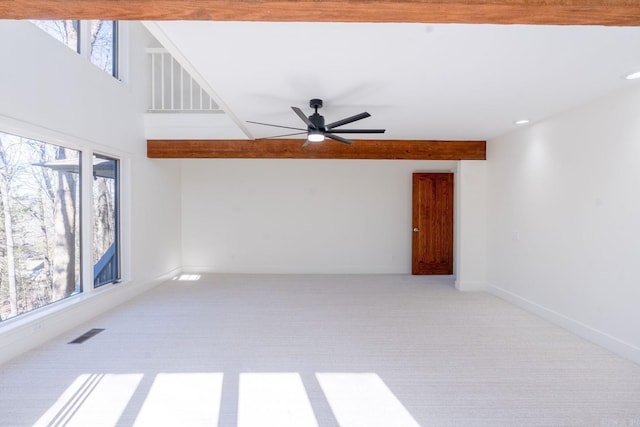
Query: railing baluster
(190, 92)
(153, 81)
(163, 80)
(181, 88)
(173, 107)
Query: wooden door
(432, 241)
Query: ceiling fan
(317, 130)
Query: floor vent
(90, 333)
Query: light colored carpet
(319, 350)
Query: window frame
(118, 214)
(86, 151)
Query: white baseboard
(470, 286)
(605, 340)
(292, 270)
(28, 331)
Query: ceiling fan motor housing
(315, 118)
(318, 121)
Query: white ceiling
(419, 81)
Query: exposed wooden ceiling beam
(292, 149)
(554, 12)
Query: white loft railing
(173, 89)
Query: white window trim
(87, 149)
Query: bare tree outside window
(66, 31)
(103, 45)
(39, 239)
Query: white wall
(299, 216)
(50, 86)
(471, 225)
(564, 220)
(155, 185)
(51, 93)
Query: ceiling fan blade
(338, 138)
(304, 118)
(358, 130)
(275, 126)
(348, 120)
(279, 136)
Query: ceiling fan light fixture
(315, 136)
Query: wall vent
(89, 334)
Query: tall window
(65, 31)
(40, 233)
(106, 259)
(103, 36)
(95, 40)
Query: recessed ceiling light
(521, 122)
(633, 76)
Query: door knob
(416, 229)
